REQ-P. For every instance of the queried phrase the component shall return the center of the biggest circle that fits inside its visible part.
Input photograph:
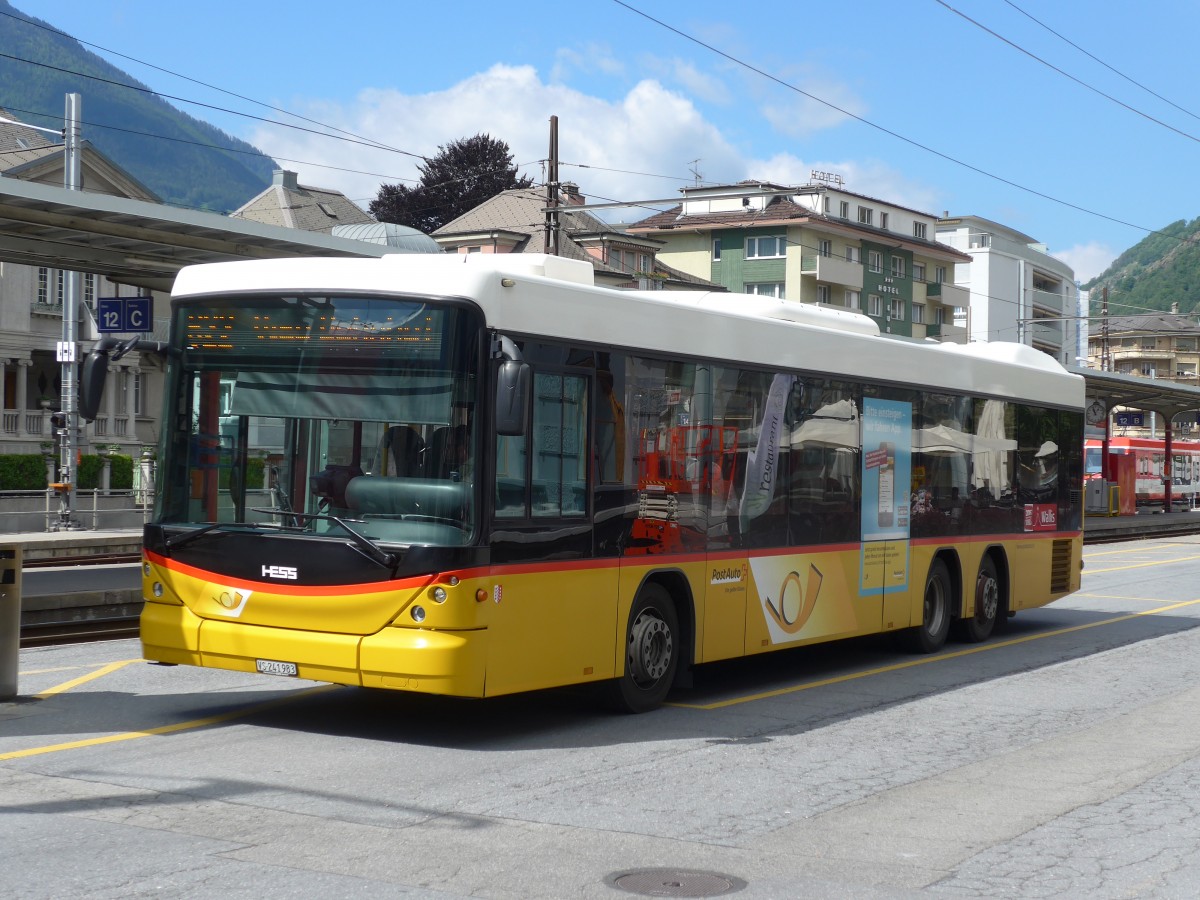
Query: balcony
(947, 333)
(833, 270)
(1048, 332)
(948, 294)
(1047, 302)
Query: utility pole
(551, 245)
(67, 347)
(1105, 355)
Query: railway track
(50, 634)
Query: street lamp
(66, 350)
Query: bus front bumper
(409, 659)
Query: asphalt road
(1061, 759)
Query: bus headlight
(157, 589)
(418, 614)
(439, 594)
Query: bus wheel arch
(657, 646)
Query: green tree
(463, 174)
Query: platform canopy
(141, 243)
(1167, 398)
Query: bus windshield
(321, 414)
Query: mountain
(1160, 271)
(165, 149)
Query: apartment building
(1016, 290)
(817, 243)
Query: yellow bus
(479, 474)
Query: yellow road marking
(909, 664)
(168, 729)
(24, 672)
(1157, 562)
(84, 679)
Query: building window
(825, 248)
(875, 261)
(89, 289)
(918, 271)
(138, 402)
(920, 230)
(644, 263)
(1188, 344)
(716, 255)
(43, 288)
(475, 249)
(60, 289)
(939, 275)
(826, 204)
(844, 209)
(883, 220)
(766, 289)
(939, 315)
(897, 266)
(766, 247)
(822, 293)
(866, 215)
(896, 309)
(853, 254)
(874, 305)
(918, 313)
(852, 299)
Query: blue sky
(950, 118)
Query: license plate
(275, 667)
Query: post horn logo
(796, 601)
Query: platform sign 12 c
(124, 314)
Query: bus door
(555, 615)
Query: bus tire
(979, 627)
(930, 635)
(651, 652)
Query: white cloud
(799, 116)
(1087, 260)
(650, 130)
(699, 84)
(591, 59)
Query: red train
(1150, 455)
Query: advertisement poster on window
(886, 477)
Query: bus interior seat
(406, 450)
(331, 482)
(384, 496)
(437, 462)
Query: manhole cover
(675, 883)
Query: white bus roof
(537, 295)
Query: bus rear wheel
(931, 634)
(979, 626)
(651, 652)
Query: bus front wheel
(651, 652)
(930, 635)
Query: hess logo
(285, 572)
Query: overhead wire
(1068, 75)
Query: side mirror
(91, 383)
(95, 369)
(512, 387)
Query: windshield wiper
(187, 537)
(372, 550)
